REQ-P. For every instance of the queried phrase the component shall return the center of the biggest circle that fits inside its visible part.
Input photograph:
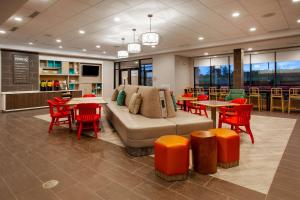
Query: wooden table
(185, 99)
(213, 104)
(75, 101)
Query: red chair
(87, 116)
(191, 106)
(67, 108)
(60, 100)
(57, 112)
(89, 95)
(241, 118)
(180, 103)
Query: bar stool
(276, 93)
(224, 91)
(254, 93)
(294, 94)
(212, 92)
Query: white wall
(164, 71)
(183, 74)
(107, 78)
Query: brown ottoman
(204, 151)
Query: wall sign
(21, 69)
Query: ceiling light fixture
(117, 19)
(30, 43)
(81, 32)
(150, 38)
(104, 52)
(250, 49)
(252, 29)
(18, 19)
(153, 46)
(206, 54)
(298, 21)
(122, 53)
(60, 47)
(134, 47)
(58, 40)
(84, 50)
(235, 14)
(98, 46)
(296, 1)
(201, 38)
(2, 31)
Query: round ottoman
(204, 150)
(228, 147)
(172, 157)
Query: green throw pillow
(121, 98)
(174, 102)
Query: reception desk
(22, 100)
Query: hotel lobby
(150, 100)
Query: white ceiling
(179, 22)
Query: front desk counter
(22, 100)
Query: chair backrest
(87, 109)
(276, 92)
(202, 97)
(253, 91)
(89, 95)
(235, 93)
(53, 107)
(224, 90)
(239, 101)
(212, 90)
(243, 113)
(294, 92)
(200, 90)
(187, 95)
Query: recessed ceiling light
(205, 53)
(104, 52)
(215, 56)
(58, 40)
(153, 46)
(18, 19)
(250, 49)
(98, 46)
(117, 19)
(298, 21)
(2, 31)
(252, 29)
(60, 47)
(201, 38)
(30, 43)
(81, 32)
(296, 1)
(84, 50)
(235, 14)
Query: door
(124, 77)
(134, 77)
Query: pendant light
(150, 38)
(122, 53)
(134, 47)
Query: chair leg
(205, 113)
(95, 129)
(51, 125)
(248, 130)
(282, 104)
(79, 130)
(289, 105)
(70, 123)
(271, 105)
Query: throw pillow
(174, 102)
(135, 103)
(121, 98)
(114, 95)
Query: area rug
(258, 162)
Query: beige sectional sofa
(138, 132)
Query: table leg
(184, 106)
(213, 116)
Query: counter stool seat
(228, 147)
(204, 150)
(172, 157)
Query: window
(288, 68)
(262, 69)
(146, 74)
(247, 78)
(220, 71)
(202, 72)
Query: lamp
(134, 47)
(122, 53)
(150, 38)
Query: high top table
(213, 104)
(75, 101)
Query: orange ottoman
(172, 157)
(228, 147)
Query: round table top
(202, 134)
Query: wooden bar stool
(254, 93)
(200, 90)
(224, 91)
(212, 92)
(276, 93)
(294, 94)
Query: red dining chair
(191, 106)
(87, 116)
(67, 108)
(237, 101)
(180, 103)
(241, 118)
(57, 112)
(89, 95)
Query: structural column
(238, 73)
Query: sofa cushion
(129, 90)
(150, 106)
(121, 98)
(114, 95)
(121, 87)
(169, 104)
(135, 103)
